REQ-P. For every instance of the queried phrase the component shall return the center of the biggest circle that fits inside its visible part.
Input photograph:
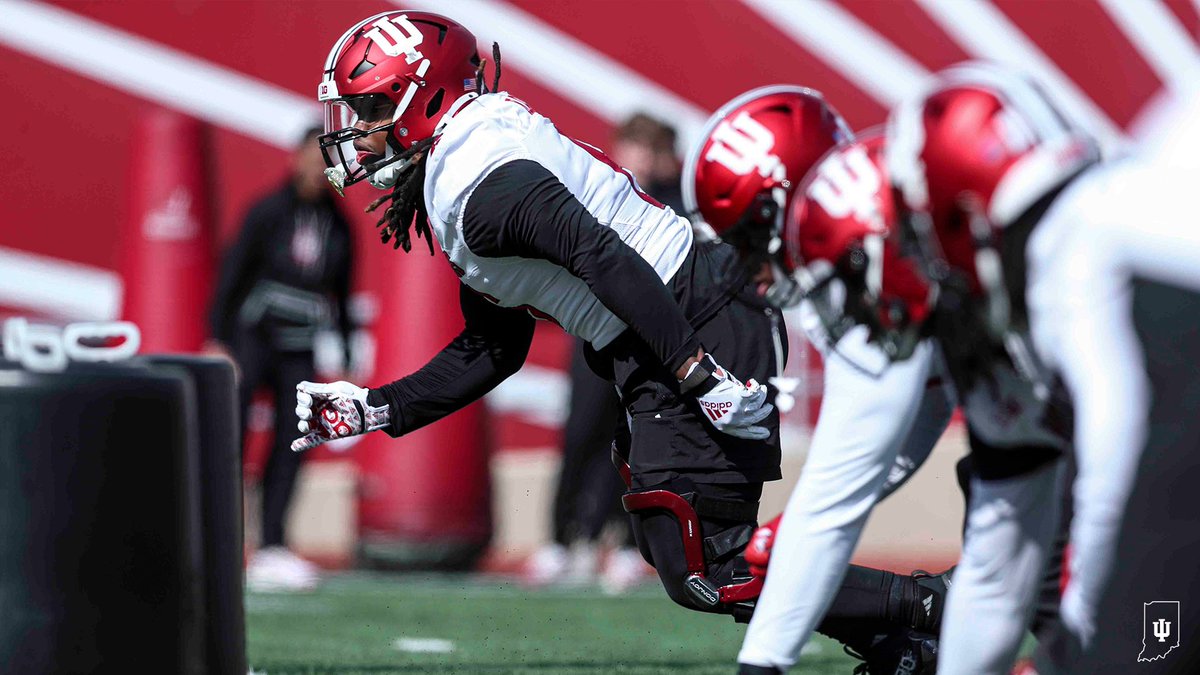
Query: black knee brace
(706, 538)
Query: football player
(1039, 240)
(843, 249)
(878, 422)
(536, 224)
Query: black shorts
(668, 436)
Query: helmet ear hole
(435, 104)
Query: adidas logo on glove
(716, 409)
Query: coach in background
(285, 278)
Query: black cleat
(905, 651)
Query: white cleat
(548, 565)
(625, 570)
(277, 570)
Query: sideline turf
(351, 625)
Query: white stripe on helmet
(331, 60)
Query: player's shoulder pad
(484, 134)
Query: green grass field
(361, 623)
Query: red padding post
(167, 243)
(425, 498)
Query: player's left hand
(328, 411)
(731, 407)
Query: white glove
(334, 410)
(730, 406)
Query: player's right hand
(730, 406)
(329, 411)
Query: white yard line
(423, 645)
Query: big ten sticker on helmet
(743, 145)
(846, 184)
(397, 35)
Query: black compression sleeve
(521, 209)
(491, 347)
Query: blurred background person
(285, 278)
(645, 146)
(588, 493)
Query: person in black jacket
(286, 277)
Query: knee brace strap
(722, 509)
(728, 541)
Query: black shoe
(904, 651)
(934, 588)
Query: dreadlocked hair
(496, 74)
(407, 210)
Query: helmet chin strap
(385, 177)
(387, 170)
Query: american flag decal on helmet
(469, 84)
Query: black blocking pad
(220, 505)
(100, 568)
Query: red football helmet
(842, 247)
(739, 179)
(403, 66)
(971, 154)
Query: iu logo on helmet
(402, 37)
(847, 183)
(744, 145)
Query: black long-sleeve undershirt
(521, 209)
(492, 346)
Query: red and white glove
(334, 410)
(758, 551)
(730, 406)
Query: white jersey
(481, 133)
(1131, 218)
(873, 412)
